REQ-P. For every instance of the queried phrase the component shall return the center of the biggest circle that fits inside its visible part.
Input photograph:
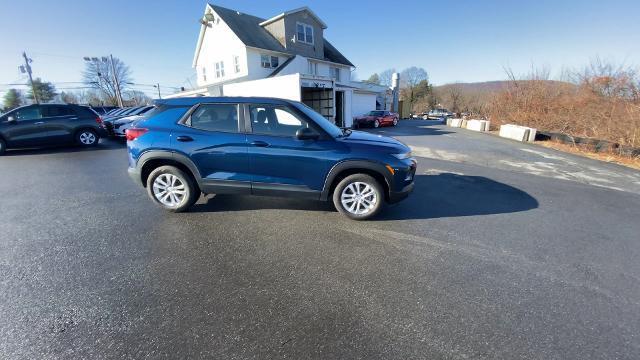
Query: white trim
(304, 8)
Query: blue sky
(463, 40)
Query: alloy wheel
(87, 138)
(395, 121)
(376, 124)
(169, 190)
(359, 198)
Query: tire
(376, 124)
(185, 194)
(349, 188)
(87, 138)
(3, 146)
(395, 121)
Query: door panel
(279, 163)
(58, 123)
(210, 138)
(28, 130)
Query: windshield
(376, 113)
(325, 124)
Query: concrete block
(448, 121)
(456, 123)
(514, 132)
(475, 125)
(487, 125)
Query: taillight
(99, 120)
(135, 133)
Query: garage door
(362, 103)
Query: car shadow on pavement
(59, 149)
(453, 195)
(434, 196)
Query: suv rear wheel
(87, 137)
(172, 188)
(358, 196)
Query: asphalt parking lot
(500, 252)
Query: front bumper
(403, 181)
(396, 196)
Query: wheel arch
(154, 159)
(350, 167)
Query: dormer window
(304, 33)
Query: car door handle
(184, 138)
(38, 123)
(259, 144)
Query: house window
(269, 61)
(304, 33)
(220, 69)
(236, 64)
(204, 73)
(313, 68)
(335, 73)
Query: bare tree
(455, 96)
(137, 98)
(411, 78)
(99, 75)
(386, 76)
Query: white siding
(219, 43)
(284, 87)
(256, 71)
(362, 103)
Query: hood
(367, 138)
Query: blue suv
(263, 146)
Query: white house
(285, 56)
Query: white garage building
(285, 56)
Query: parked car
(109, 122)
(50, 124)
(263, 146)
(376, 118)
(103, 110)
(437, 114)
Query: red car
(376, 118)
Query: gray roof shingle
(248, 29)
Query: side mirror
(11, 120)
(306, 134)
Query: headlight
(402, 156)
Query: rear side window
(54, 110)
(85, 111)
(215, 117)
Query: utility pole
(28, 69)
(158, 86)
(117, 83)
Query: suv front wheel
(358, 196)
(172, 189)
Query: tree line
(99, 89)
